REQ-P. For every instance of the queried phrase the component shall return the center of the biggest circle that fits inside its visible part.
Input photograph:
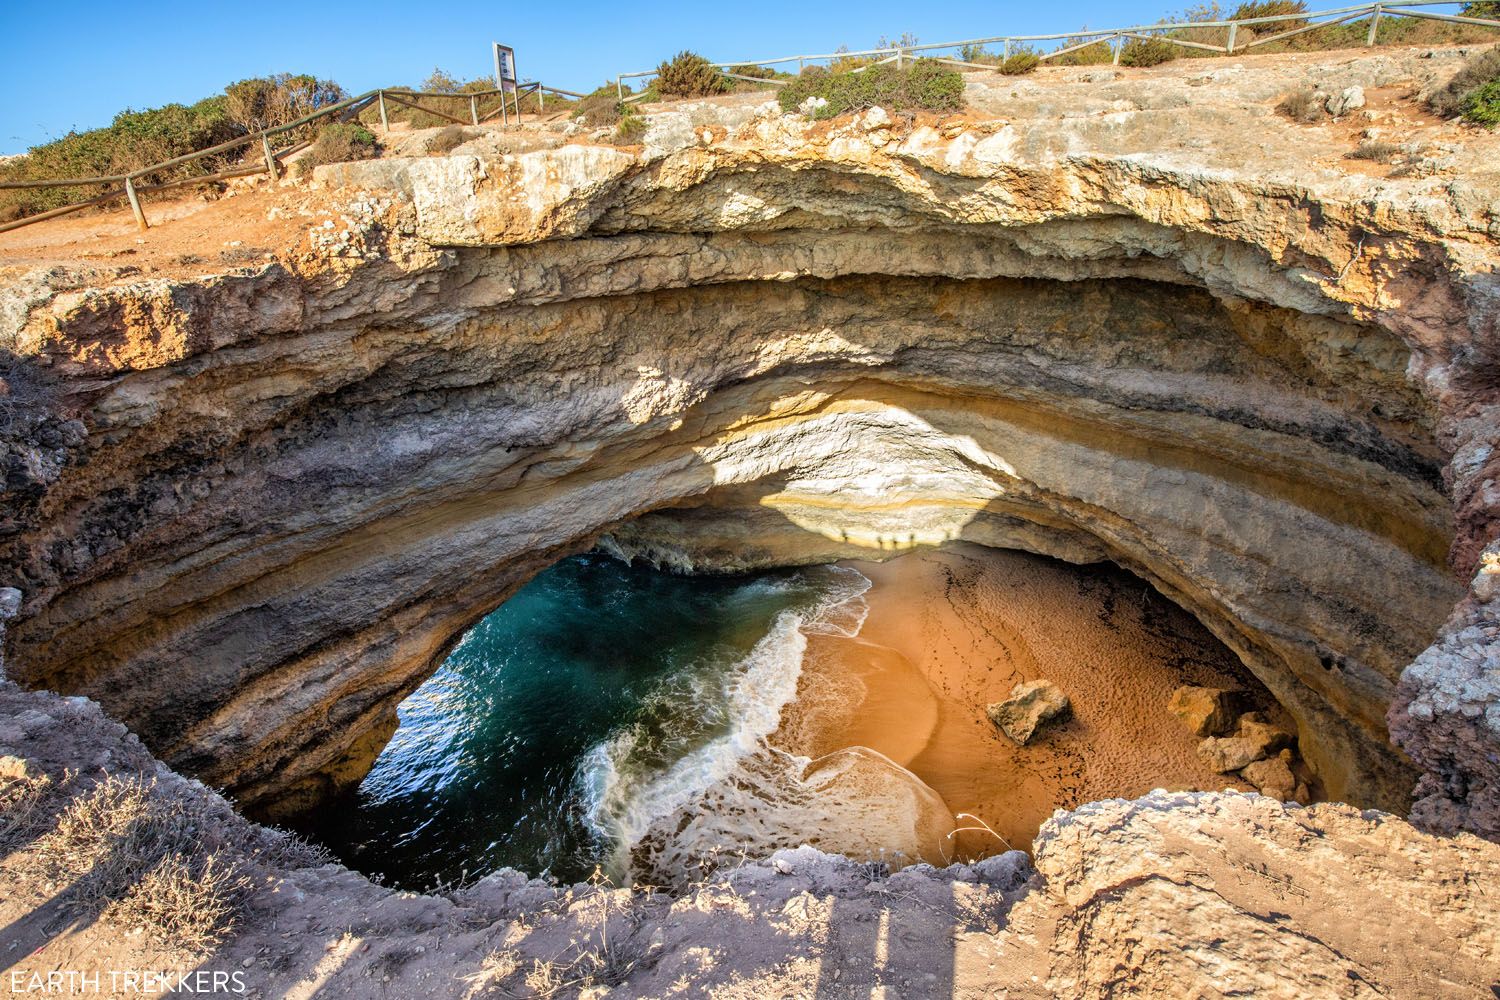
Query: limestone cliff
(251, 511)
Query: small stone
(1273, 776)
(1206, 711)
(1254, 739)
(1351, 99)
(1031, 703)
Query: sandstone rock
(1031, 704)
(1205, 711)
(1254, 739)
(1347, 100)
(1273, 776)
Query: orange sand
(951, 631)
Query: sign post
(506, 79)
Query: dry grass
(1306, 106)
(447, 140)
(141, 860)
(1375, 150)
(22, 795)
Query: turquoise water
(596, 699)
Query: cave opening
(659, 725)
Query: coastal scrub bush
(135, 139)
(1272, 8)
(1020, 63)
(687, 74)
(338, 143)
(268, 101)
(1452, 98)
(1482, 106)
(1089, 55)
(1142, 52)
(631, 130)
(601, 107)
(1484, 8)
(924, 86)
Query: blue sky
(73, 65)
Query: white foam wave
(624, 794)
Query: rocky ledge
(1211, 894)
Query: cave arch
(1271, 470)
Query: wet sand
(951, 631)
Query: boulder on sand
(1254, 739)
(1030, 705)
(1206, 711)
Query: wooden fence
(1116, 38)
(270, 159)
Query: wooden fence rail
(1114, 37)
(270, 160)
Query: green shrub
(1141, 52)
(338, 143)
(1486, 8)
(440, 81)
(687, 74)
(135, 139)
(1476, 71)
(978, 54)
(1089, 55)
(1020, 63)
(758, 72)
(631, 130)
(1271, 8)
(927, 86)
(1482, 106)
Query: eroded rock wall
(273, 499)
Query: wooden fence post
(1005, 50)
(135, 203)
(385, 125)
(1119, 46)
(1374, 23)
(474, 108)
(265, 147)
(1233, 28)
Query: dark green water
(594, 699)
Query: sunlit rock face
(274, 499)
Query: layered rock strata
(1216, 894)
(251, 512)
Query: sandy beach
(950, 631)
